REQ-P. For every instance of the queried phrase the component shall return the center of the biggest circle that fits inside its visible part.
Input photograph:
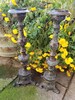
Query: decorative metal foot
(24, 78)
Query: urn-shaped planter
(7, 48)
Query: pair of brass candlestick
(49, 76)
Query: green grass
(18, 93)
(15, 93)
(7, 72)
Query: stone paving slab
(70, 95)
(63, 79)
(5, 61)
(44, 95)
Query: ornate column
(24, 76)
(49, 76)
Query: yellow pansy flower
(68, 18)
(65, 67)
(25, 33)
(57, 66)
(45, 65)
(69, 33)
(8, 35)
(6, 19)
(61, 27)
(28, 68)
(40, 70)
(56, 57)
(34, 65)
(33, 9)
(28, 45)
(13, 40)
(65, 26)
(68, 60)
(15, 31)
(61, 49)
(63, 42)
(14, 2)
(62, 70)
(64, 54)
(51, 36)
(36, 61)
(68, 73)
(39, 57)
(3, 14)
(31, 53)
(45, 55)
(72, 65)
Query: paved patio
(65, 84)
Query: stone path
(65, 84)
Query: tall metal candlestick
(49, 76)
(24, 76)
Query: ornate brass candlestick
(49, 76)
(24, 76)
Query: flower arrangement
(38, 29)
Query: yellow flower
(31, 53)
(14, 2)
(15, 31)
(25, 33)
(28, 68)
(39, 57)
(51, 36)
(65, 67)
(64, 54)
(56, 57)
(63, 42)
(68, 18)
(34, 65)
(62, 70)
(72, 65)
(28, 45)
(4, 15)
(36, 61)
(68, 60)
(6, 19)
(8, 35)
(33, 9)
(57, 66)
(45, 55)
(40, 70)
(69, 33)
(68, 73)
(13, 40)
(65, 26)
(45, 65)
(61, 27)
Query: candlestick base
(24, 78)
(50, 85)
